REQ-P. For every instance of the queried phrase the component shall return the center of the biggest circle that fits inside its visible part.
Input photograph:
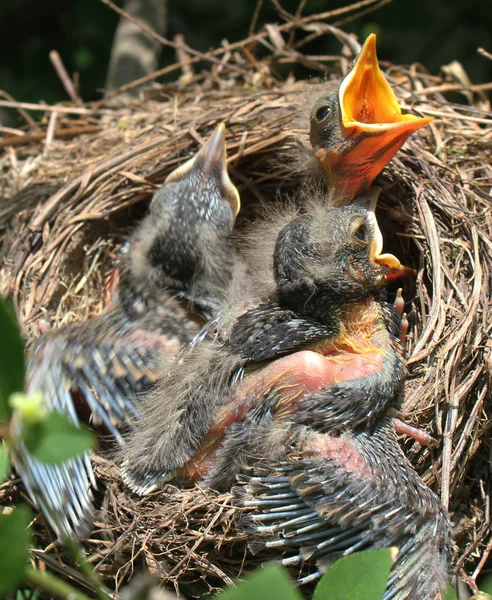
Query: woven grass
(74, 184)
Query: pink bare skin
(296, 377)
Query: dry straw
(73, 184)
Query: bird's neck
(362, 326)
(138, 295)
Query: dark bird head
(358, 126)
(333, 256)
(190, 215)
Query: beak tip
(214, 149)
(217, 135)
(368, 52)
(214, 160)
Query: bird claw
(399, 306)
(399, 303)
(404, 325)
(405, 429)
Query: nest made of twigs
(75, 183)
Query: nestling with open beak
(172, 277)
(322, 347)
(357, 126)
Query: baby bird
(357, 126)
(296, 389)
(321, 348)
(172, 277)
(332, 495)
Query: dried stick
(484, 52)
(11, 103)
(31, 138)
(50, 133)
(56, 61)
(183, 56)
(254, 20)
(228, 47)
(452, 87)
(164, 41)
(67, 110)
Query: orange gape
(373, 127)
(356, 352)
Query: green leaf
(56, 439)
(30, 407)
(14, 543)
(28, 594)
(359, 576)
(273, 583)
(11, 357)
(4, 463)
(450, 594)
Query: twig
(214, 519)
(50, 133)
(470, 549)
(483, 560)
(484, 52)
(228, 47)
(447, 115)
(362, 13)
(254, 19)
(338, 11)
(164, 41)
(297, 16)
(39, 219)
(56, 61)
(323, 28)
(470, 582)
(455, 397)
(467, 431)
(31, 138)
(428, 221)
(183, 56)
(67, 110)
(11, 103)
(11, 131)
(452, 87)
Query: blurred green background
(433, 32)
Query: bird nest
(75, 183)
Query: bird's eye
(322, 113)
(361, 234)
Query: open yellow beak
(367, 100)
(395, 269)
(372, 126)
(371, 111)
